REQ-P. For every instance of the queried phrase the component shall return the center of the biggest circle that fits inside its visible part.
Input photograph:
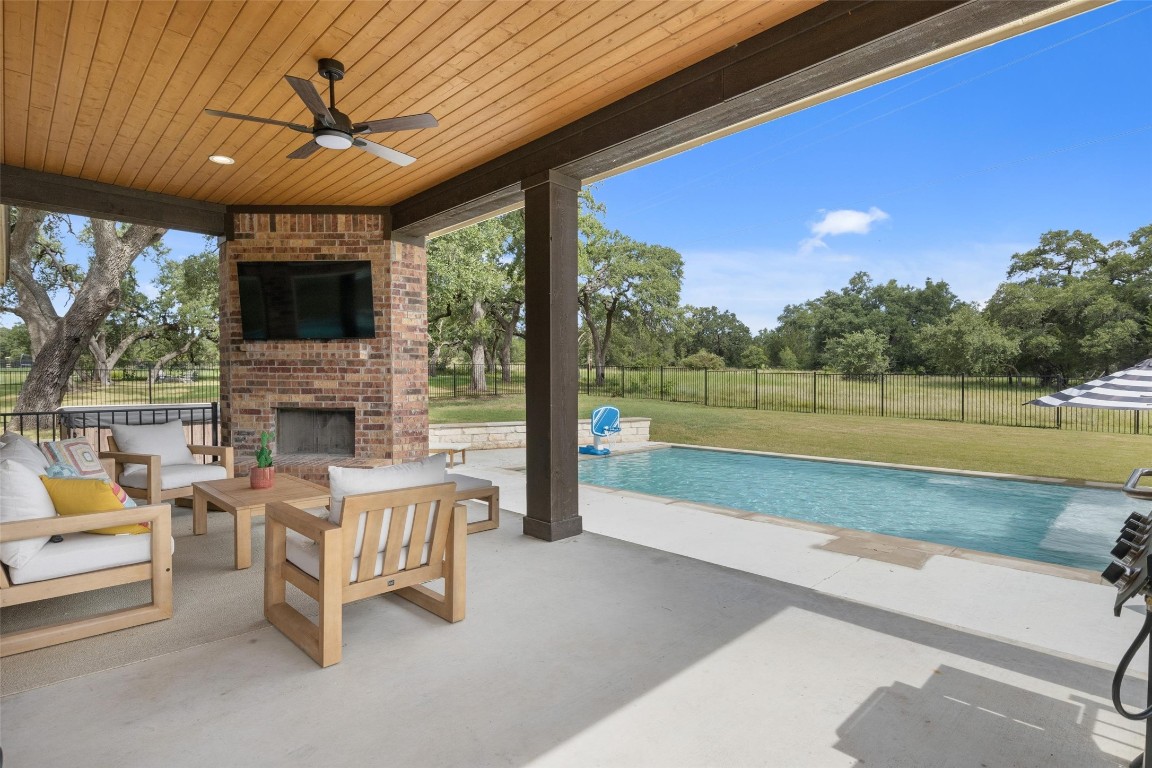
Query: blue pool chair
(605, 422)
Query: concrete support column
(551, 386)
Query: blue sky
(941, 174)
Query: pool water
(1036, 521)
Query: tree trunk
(105, 360)
(101, 370)
(63, 339)
(479, 380)
(158, 366)
(507, 334)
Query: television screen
(306, 300)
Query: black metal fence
(124, 384)
(994, 400)
(201, 419)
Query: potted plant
(262, 475)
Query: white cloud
(842, 222)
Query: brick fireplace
(366, 398)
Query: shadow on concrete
(961, 719)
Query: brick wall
(382, 379)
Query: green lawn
(1014, 450)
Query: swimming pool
(1037, 521)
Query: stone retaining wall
(512, 434)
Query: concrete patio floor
(666, 635)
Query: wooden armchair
(146, 476)
(387, 541)
(110, 560)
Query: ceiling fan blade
(250, 118)
(312, 99)
(385, 152)
(405, 123)
(305, 151)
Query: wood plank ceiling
(115, 91)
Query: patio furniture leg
(322, 642)
(449, 606)
(199, 514)
(493, 521)
(243, 538)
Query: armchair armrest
(298, 520)
(151, 464)
(50, 526)
(150, 460)
(225, 453)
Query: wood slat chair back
(350, 555)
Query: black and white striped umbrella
(1129, 389)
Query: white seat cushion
(83, 553)
(20, 449)
(164, 440)
(22, 497)
(349, 481)
(304, 553)
(173, 475)
(468, 483)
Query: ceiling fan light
(332, 139)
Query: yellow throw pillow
(84, 496)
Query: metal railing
(993, 400)
(201, 420)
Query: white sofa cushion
(349, 481)
(164, 440)
(22, 497)
(23, 451)
(83, 553)
(172, 475)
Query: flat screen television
(306, 300)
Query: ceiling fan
(333, 129)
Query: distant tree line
(1071, 307)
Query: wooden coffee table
(236, 497)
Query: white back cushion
(164, 440)
(22, 497)
(349, 481)
(23, 451)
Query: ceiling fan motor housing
(330, 69)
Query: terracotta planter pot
(262, 477)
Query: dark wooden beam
(550, 316)
(833, 44)
(64, 194)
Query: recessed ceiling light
(221, 159)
